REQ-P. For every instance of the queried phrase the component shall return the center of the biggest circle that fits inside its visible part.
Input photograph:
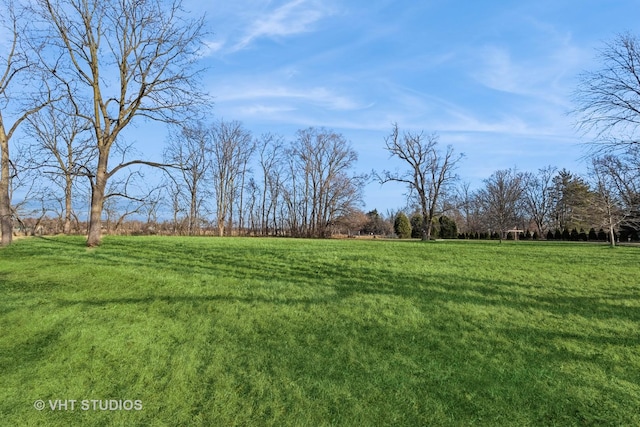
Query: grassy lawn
(210, 331)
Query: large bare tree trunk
(149, 49)
(5, 201)
(425, 233)
(193, 209)
(612, 235)
(67, 205)
(95, 218)
(97, 202)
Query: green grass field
(225, 331)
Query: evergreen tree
(582, 235)
(574, 235)
(448, 228)
(402, 226)
(375, 224)
(602, 235)
(416, 226)
(571, 199)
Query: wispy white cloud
(237, 25)
(276, 92)
(543, 76)
(293, 17)
(210, 47)
(415, 110)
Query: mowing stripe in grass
(209, 331)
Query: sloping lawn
(224, 331)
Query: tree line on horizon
(550, 204)
(307, 188)
(72, 84)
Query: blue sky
(492, 78)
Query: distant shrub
(602, 235)
(574, 236)
(448, 228)
(582, 236)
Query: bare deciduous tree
(608, 99)
(537, 197)
(430, 173)
(62, 150)
(320, 187)
(467, 206)
(501, 199)
(271, 158)
(617, 192)
(16, 76)
(624, 171)
(188, 151)
(231, 148)
(606, 204)
(608, 104)
(121, 60)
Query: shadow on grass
(35, 348)
(74, 241)
(301, 274)
(475, 346)
(423, 291)
(451, 359)
(287, 265)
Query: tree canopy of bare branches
(617, 191)
(17, 72)
(537, 196)
(320, 186)
(61, 151)
(231, 148)
(430, 172)
(120, 60)
(271, 150)
(608, 100)
(501, 199)
(188, 149)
